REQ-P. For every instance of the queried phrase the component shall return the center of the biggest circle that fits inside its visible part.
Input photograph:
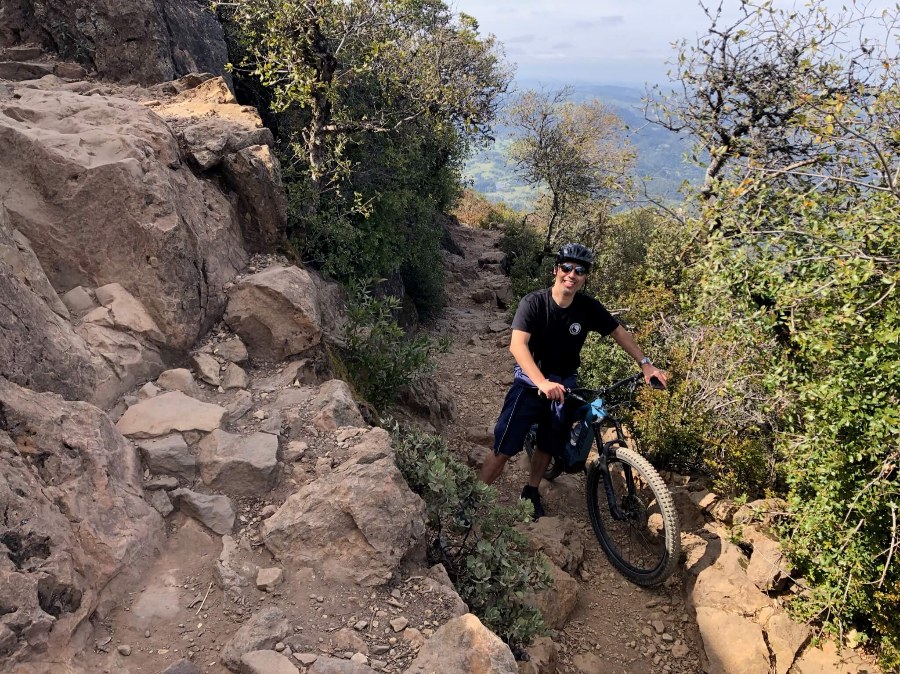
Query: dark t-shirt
(558, 334)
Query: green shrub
(526, 266)
(379, 358)
(486, 557)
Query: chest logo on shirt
(575, 328)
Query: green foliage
(488, 560)
(375, 105)
(379, 358)
(526, 265)
(817, 274)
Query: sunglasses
(568, 268)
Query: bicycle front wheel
(639, 532)
(554, 468)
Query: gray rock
(77, 528)
(148, 390)
(768, 568)
(235, 377)
(16, 71)
(733, 644)
(266, 662)
(170, 39)
(556, 602)
(168, 413)
(79, 301)
(213, 511)
(160, 501)
(169, 455)
(268, 579)
(275, 312)
(264, 629)
(164, 482)
(242, 403)
(233, 350)
(327, 526)
(234, 573)
(207, 368)
(462, 646)
(240, 465)
(179, 379)
(334, 407)
(327, 665)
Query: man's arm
(518, 347)
(626, 341)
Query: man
(549, 330)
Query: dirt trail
(627, 628)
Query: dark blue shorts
(523, 407)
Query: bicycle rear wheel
(554, 468)
(642, 539)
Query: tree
(796, 115)
(573, 150)
(368, 66)
(787, 90)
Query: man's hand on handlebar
(654, 377)
(553, 390)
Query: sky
(599, 41)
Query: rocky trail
(614, 626)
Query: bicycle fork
(603, 466)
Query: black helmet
(575, 252)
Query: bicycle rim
(644, 543)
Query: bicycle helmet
(575, 252)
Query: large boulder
(275, 312)
(733, 644)
(139, 41)
(464, 646)
(239, 465)
(168, 413)
(76, 165)
(76, 529)
(219, 135)
(264, 629)
(355, 523)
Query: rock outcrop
(98, 186)
(75, 526)
(327, 526)
(135, 41)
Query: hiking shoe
(532, 494)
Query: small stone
(361, 625)
(268, 579)
(124, 649)
(260, 415)
(658, 626)
(146, 634)
(306, 659)
(279, 646)
(679, 650)
(668, 638)
(399, 624)
(359, 659)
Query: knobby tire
(646, 544)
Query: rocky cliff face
(135, 41)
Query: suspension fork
(607, 450)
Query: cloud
(520, 39)
(600, 22)
(562, 45)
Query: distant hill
(661, 153)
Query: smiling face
(568, 281)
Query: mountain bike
(629, 505)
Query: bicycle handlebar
(636, 379)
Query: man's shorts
(523, 407)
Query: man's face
(568, 277)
